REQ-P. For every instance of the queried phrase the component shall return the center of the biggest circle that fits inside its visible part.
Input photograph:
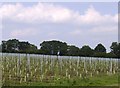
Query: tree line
(55, 47)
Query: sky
(76, 23)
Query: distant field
(44, 70)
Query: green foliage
(115, 48)
(110, 55)
(10, 45)
(100, 54)
(15, 46)
(73, 51)
(86, 51)
(53, 47)
(100, 48)
(26, 47)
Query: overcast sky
(78, 23)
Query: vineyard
(31, 69)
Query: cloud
(104, 30)
(77, 32)
(93, 17)
(40, 12)
(9, 10)
(23, 33)
(52, 34)
(48, 12)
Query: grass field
(91, 81)
(44, 70)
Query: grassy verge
(103, 80)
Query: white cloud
(52, 34)
(9, 10)
(93, 17)
(23, 33)
(107, 32)
(39, 12)
(104, 30)
(46, 12)
(98, 33)
(77, 32)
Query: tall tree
(26, 47)
(4, 46)
(86, 51)
(115, 48)
(11, 45)
(14, 45)
(53, 47)
(100, 48)
(73, 51)
(118, 50)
